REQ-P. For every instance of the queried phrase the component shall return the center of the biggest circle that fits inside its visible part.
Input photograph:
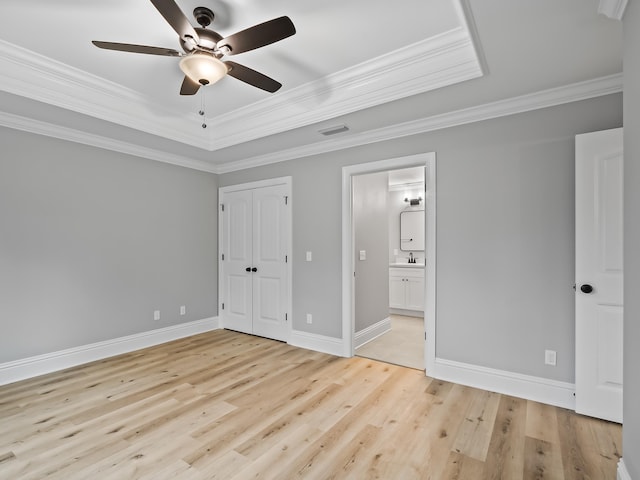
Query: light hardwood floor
(232, 406)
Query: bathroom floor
(402, 345)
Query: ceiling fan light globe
(203, 68)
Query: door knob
(248, 269)
(586, 288)
(254, 269)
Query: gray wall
(631, 429)
(93, 241)
(505, 234)
(371, 234)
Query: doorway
(388, 229)
(428, 324)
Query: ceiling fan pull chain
(202, 110)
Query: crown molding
(613, 9)
(31, 75)
(436, 62)
(64, 133)
(433, 63)
(543, 99)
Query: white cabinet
(406, 288)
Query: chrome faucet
(411, 259)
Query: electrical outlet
(309, 256)
(550, 357)
(156, 314)
(363, 254)
(309, 318)
(183, 309)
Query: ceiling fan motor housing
(203, 15)
(208, 40)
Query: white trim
(372, 332)
(544, 390)
(445, 59)
(438, 61)
(38, 127)
(623, 473)
(51, 362)
(424, 159)
(318, 343)
(613, 9)
(29, 74)
(407, 313)
(430, 277)
(269, 182)
(547, 98)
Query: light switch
(363, 254)
(309, 256)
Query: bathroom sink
(406, 265)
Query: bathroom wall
(371, 236)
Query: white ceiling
(384, 69)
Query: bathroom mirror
(412, 230)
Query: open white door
(599, 163)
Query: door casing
(427, 160)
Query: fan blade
(257, 79)
(128, 47)
(258, 35)
(189, 87)
(178, 21)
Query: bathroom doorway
(389, 249)
(389, 283)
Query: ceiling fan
(203, 48)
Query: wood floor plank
(228, 405)
(542, 460)
(475, 432)
(505, 458)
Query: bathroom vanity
(406, 287)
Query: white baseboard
(623, 473)
(538, 389)
(372, 332)
(407, 313)
(51, 362)
(319, 343)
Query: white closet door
(270, 248)
(255, 288)
(238, 251)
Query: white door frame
(287, 181)
(427, 160)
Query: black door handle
(586, 288)
(248, 269)
(254, 269)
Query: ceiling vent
(333, 130)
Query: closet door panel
(270, 212)
(237, 249)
